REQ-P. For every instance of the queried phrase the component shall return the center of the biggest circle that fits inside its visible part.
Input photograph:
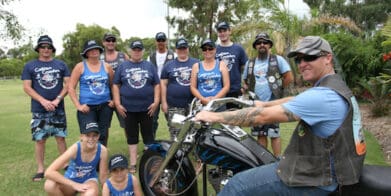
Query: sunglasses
(46, 47)
(110, 40)
(207, 48)
(160, 40)
(308, 58)
(261, 42)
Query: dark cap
(222, 25)
(263, 36)
(181, 43)
(109, 35)
(90, 127)
(136, 44)
(44, 39)
(311, 45)
(89, 45)
(161, 36)
(118, 161)
(208, 42)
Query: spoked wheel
(173, 181)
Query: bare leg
(61, 145)
(276, 146)
(56, 189)
(263, 141)
(40, 154)
(133, 154)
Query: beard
(262, 53)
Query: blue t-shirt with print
(47, 79)
(127, 191)
(321, 108)
(234, 57)
(94, 86)
(178, 88)
(137, 81)
(262, 89)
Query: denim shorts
(272, 130)
(45, 124)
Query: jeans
(264, 180)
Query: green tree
(11, 67)
(73, 42)
(9, 24)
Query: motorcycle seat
(374, 180)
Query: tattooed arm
(249, 116)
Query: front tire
(172, 181)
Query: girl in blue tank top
(83, 157)
(210, 77)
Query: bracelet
(59, 97)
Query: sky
(133, 18)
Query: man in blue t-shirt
(44, 80)
(175, 84)
(267, 76)
(234, 57)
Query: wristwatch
(59, 97)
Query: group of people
(136, 89)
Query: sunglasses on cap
(110, 40)
(261, 42)
(46, 47)
(308, 58)
(207, 48)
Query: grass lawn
(17, 163)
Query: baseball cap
(137, 44)
(44, 39)
(311, 45)
(222, 25)
(118, 161)
(181, 43)
(109, 35)
(90, 127)
(89, 45)
(208, 42)
(161, 36)
(263, 36)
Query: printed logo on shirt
(96, 84)
(47, 77)
(209, 84)
(136, 77)
(182, 75)
(227, 58)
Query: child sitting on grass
(121, 182)
(83, 157)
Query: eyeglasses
(207, 48)
(308, 58)
(160, 40)
(261, 42)
(46, 47)
(110, 40)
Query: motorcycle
(166, 167)
(221, 151)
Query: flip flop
(38, 177)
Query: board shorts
(46, 124)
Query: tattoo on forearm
(244, 117)
(290, 115)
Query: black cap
(181, 43)
(90, 127)
(118, 161)
(44, 39)
(222, 25)
(263, 36)
(89, 45)
(208, 42)
(137, 44)
(109, 35)
(161, 36)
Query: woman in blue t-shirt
(95, 78)
(210, 77)
(136, 93)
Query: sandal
(38, 177)
(132, 169)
